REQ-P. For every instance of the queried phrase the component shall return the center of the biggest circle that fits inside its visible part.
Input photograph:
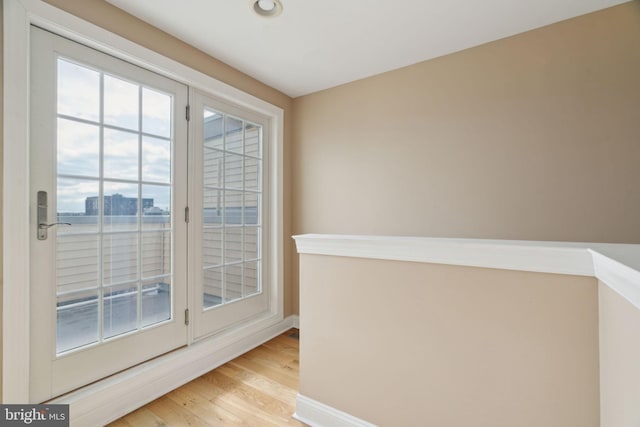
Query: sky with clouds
(137, 144)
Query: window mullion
(223, 185)
(101, 216)
(243, 211)
(139, 216)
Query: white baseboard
(116, 396)
(318, 414)
(296, 320)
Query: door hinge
(188, 113)
(186, 214)
(186, 316)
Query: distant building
(116, 204)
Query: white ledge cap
(617, 265)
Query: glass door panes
(114, 267)
(231, 216)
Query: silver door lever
(47, 226)
(42, 216)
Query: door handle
(47, 226)
(42, 216)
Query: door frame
(19, 15)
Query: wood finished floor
(258, 388)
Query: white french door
(108, 244)
(230, 251)
(148, 231)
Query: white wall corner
(621, 278)
(318, 414)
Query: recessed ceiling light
(268, 8)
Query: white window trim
(19, 15)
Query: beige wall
(402, 344)
(530, 137)
(619, 360)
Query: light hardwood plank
(258, 368)
(258, 388)
(225, 406)
(245, 394)
(267, 385)
(145, 417)
(175, 414)
(284, 344)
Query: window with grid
(231, 217)
(114, 190)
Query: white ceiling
(318, 44)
